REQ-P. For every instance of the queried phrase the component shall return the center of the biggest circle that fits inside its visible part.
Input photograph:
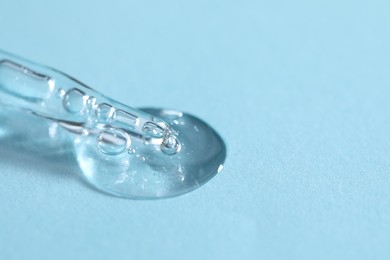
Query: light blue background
(299, 90)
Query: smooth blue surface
(299, 90)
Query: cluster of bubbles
(116, 140)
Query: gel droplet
(75, 101)
(105, 113)
(113, 141)
(170, 145)
(177, 163)
(151, 129)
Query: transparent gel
(133, 153)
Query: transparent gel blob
(149, 153)
(146, 173)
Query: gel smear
(132, 153)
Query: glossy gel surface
(120, 150)
(146, 173)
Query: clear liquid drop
(105, 113)
(113, 141)
(151, 129)
(170, 145)
(145, 172)
(121, 150)
(75, 101)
